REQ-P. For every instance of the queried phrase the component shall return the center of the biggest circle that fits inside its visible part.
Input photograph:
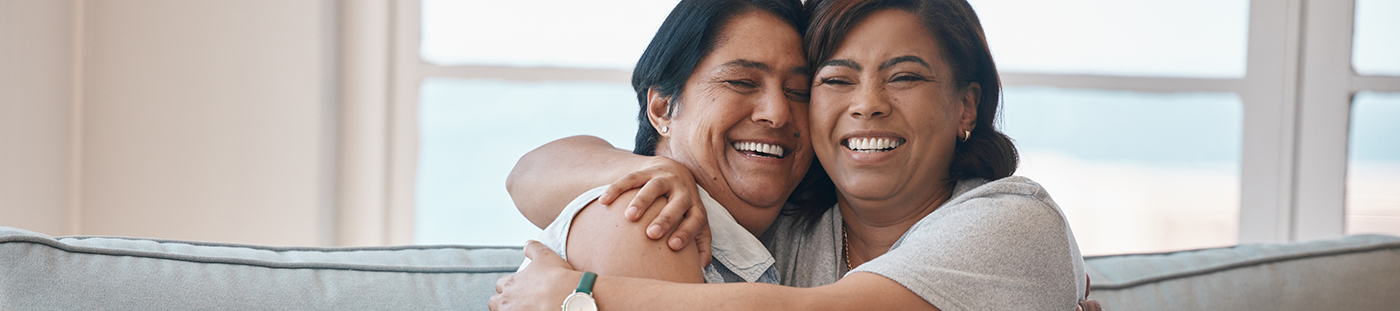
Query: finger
(694, 220)
(649, 193)
(679, 207)
(537, 251)
(615, 189)
(702, 244)
(494, 303)
(1087, 284)
(1091, 305)
(501, 283)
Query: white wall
(200, 120)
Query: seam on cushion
(288, 248)
(251, 262)
(1242, 264)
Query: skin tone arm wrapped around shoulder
(549, 177)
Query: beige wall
(36, 100)
(201, 120)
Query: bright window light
(1373, 165)
(473, 131)
(1376, 38)
(1133, 172)
(1167, 38)
(540, 33)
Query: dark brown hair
(688, 34)
(988, 153)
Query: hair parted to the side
(689, 34)
(988, 153)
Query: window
(1171, 38)
(473, 131)
(1377, 38)
(1373, 165)
(1129, 174)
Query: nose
(773, 109)
(869, 102)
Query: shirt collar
(732, 245)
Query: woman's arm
(549, 177)
(602, 241)
(544, 284)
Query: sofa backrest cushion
(1360, 272)
(38, 272)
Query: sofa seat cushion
(1360, 272)
(38, 272)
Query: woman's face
(739, 117)
(886, 113)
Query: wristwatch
(582, 298)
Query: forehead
(760, 37)
(887, 34)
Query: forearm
(860, 291)
(547, 178)
(621, 293)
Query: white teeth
(774, 150)
(871, 144)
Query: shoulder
(602, 240)
(1012, 199)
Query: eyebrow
(747, 64)
(842, 63)
(904, 59)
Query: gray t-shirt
(1000, 245)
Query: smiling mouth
(872, 144)
(760, 149)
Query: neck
(872, 227)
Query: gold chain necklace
(846, 247)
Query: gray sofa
(39, 272)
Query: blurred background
(1156, 125)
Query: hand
(1088, 305)
(665, 177)
(542, 285)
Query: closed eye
(797, 95)
(741, 83)
(909, 77)
(835, 81)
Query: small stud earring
(664, 129)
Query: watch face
(580, 302)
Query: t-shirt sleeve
(999, 251)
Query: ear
(972, 94)
(658, 110)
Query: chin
(761, 198)
(863, 190)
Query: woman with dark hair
(722, 92)
(928, 215)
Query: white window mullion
(1269, 95)
(1324, 110)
